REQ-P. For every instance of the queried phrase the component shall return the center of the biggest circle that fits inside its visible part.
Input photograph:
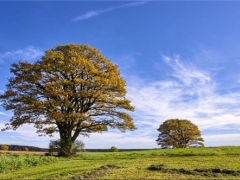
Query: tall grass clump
(14, 162)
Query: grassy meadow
(189, 163)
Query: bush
(55, 146)
(4, 147)
(114, 149)
(78, 146)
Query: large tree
(73, 90)
(176, 133)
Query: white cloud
(222, 140)
(24, 135)
(3, 113)
(126, 140)
(28, 53)
(91, 14)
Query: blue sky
(180, 59)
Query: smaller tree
(4, 147)
(178, 133)
(114, 149)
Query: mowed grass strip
(63, 169)
(139, 168)
(177, 163)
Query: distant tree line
(110, 150)
(38, 149)
(24, 148)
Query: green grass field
(190, 163)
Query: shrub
(4, 147)
(78, 146)
(114, 149)
(55, 146)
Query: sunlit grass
(126, 165)
(11, 162)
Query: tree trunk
(65, 142)
(65, 147)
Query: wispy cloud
(28, 53)
(188, 93)
(94, 13)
